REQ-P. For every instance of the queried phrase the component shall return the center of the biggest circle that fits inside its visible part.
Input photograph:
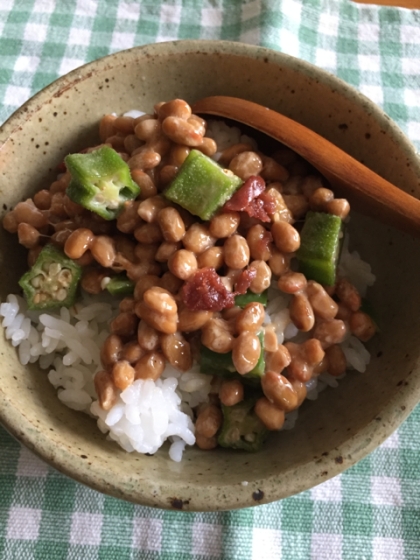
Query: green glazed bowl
(332, 433)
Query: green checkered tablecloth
(372, 511)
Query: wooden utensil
(367, 192)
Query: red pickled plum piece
(252, 199)
(205, 291)
(244, 281)
(242, 198)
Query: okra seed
(61, 295)
(112, 204)
(54, 269)
(235, 435)
(39, 298)
(36, 282)
(65, 278)
(104, 282)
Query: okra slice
(202, 186)
(249, 297)
(120, 286)
(213, 363)
(52, 281)
(241, 428)
(320, 247)
(259, 369)
(100, 182)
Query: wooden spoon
(367, 192)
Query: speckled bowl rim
(235, 495)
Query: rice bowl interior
(332, 433)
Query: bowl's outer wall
(333, 432)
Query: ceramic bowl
(333, 432)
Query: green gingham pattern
(372, 511)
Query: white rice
(134, 113)
(359, 272)
(226, 136)
(67, 343)
(357, 357)
(145, 415)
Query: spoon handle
(368, 192)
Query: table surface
(372, 511)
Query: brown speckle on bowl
(176, 503)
